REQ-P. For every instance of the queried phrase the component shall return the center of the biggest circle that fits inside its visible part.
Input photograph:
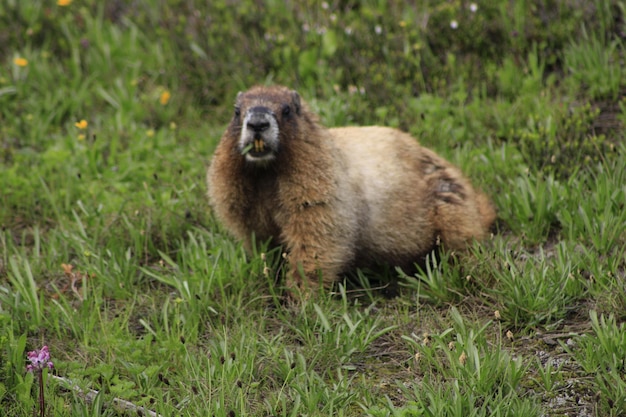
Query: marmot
(339, 198)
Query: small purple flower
(39, 359)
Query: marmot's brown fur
(338, 198)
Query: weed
(439, 281)
(601, 355)
(594, 66)
(532, 209)
(538, 291)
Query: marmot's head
(264, 118)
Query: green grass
(163, 309)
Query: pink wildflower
(39, 359)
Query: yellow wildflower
(64, 2)
(20, 62)
(81, 137)
(67, 268)
(165, 97)
(150, 133)
(82, 124)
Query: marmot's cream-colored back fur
(338, 198)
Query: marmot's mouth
(259, 146)
(257, 149)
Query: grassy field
(109, 254)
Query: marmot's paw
(298, 289)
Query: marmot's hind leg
(460, 213)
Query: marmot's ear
(295, 99)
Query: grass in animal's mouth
(256, 148)
(246, 149)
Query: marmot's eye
(237, 111)
(286, 110)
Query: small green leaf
(329, 43)
(246, 149)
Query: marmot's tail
(487, 211)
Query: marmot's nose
(258, 125)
